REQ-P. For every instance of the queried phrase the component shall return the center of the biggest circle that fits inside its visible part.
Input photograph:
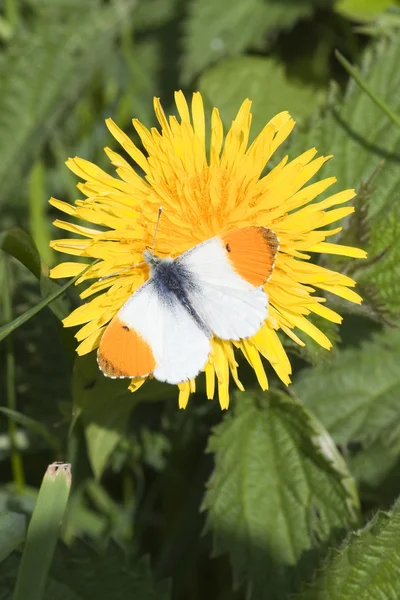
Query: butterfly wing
(229, 272)
(153, 334)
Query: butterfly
(214, 289)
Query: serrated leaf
(43, 72)
(264, 81)
(366, 149)
(214, 30)
(279, 493)
(111, 575)
(357, 400)
(80, 573)
(366, 567)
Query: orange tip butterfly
(216, 288)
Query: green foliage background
(293, 492)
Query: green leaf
(264, 81)
(357, 400)
(19, 244)
(380, 103)
(362, 10)
(12, 532)
(366, 149)
(43, 532)
(44, 71)
(33, 426)
(151, 15)
(106, 405)
(38, 210)
(10, 327)
(80, 573)
(111, 575)
(214, 30)
(279, 493)
(366, 567)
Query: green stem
(16, 458)
(374, 97)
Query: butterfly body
(173, 281)
(215, 288)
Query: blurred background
(65, 66)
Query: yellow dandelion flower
(204, 194)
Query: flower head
(204, 194)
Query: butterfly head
(150, 258)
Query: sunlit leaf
(214, 30)
(280, 492)
(357, 400)
(366, 149)
(44, 70)
(362, 10)
(264, 81)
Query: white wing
(231, 306)
(179, 347)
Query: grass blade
(43, 532)
(374, 97)
(10, 327)
(33, 426)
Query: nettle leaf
(105, 576)
(264, 81)
(366, 567)
(80, 573)
(357, 400)
(214, 30)
(43, 72)
(366, 149)
(279, 494)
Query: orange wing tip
(252, 252)
(124, 353)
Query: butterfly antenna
(156, 229)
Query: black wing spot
(125, 327)
(228, 248)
